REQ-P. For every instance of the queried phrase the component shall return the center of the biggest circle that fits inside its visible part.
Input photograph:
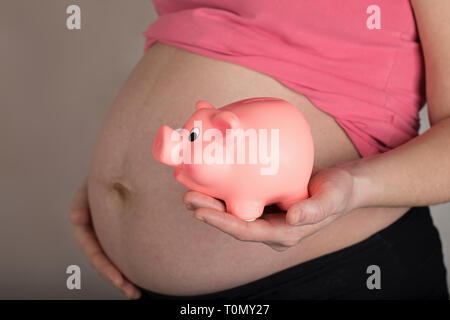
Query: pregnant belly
(137, 207)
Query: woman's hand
(80, 217)
(331, 196)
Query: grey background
(56, 86)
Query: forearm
(414, 174)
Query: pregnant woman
(356, 70)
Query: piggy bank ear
(225, 120)
(202, 104)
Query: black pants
(406, 259)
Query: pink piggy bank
(250, 153)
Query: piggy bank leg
(245, 210)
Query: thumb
(311, 210)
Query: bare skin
(145, 229)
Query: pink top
(363, 68)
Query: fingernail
(200, 218)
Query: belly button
(124, 194)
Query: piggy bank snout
(167, 146)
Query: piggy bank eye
(195, 132)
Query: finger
(79, 208)
(287, 236)
(79, 200)
(194, 200)
(130, 290)
(88, 242)
(98, 259)
(80, 217)
(309, 229)
(314, 209)
(258, 230)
